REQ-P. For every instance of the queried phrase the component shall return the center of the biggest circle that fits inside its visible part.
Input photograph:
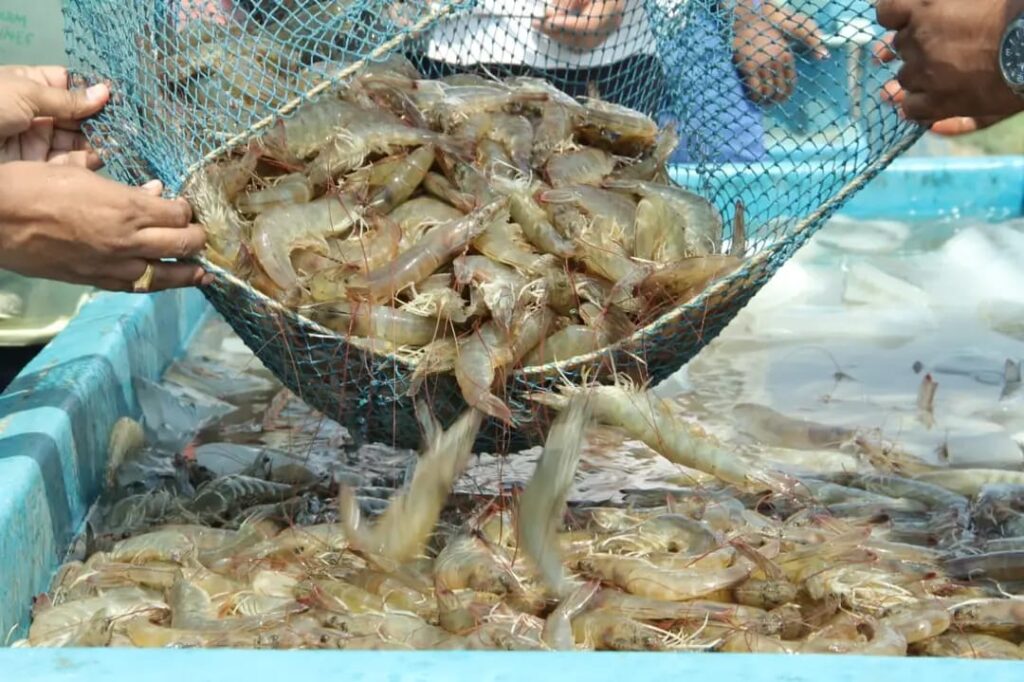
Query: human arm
(950, 76)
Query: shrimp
(665, 533)
(418, 215)
(553, 131)
(616, 212)
(444, 304)
(651, 420)
(476, 367)
(603, 630)
(700, 222)
(652, 165)
(229, 177)
(968, 646)
(225, 228)
(223, 497)
(467, 562)
(773, 428)
(378, 322)
(490, 349)
(587, 166)
(685, 279)
(918, 622)
(64, 624)
(599, 292)
(310, 128)
(529, 329)
(280, 231)
(443, 189)
(605, 257)
(364, 251)
(515, 133)
(503, 242)
(161, 545)
(657, 236)
(643, 578)
(610, 323)
(436, 248)
(535, 225)
(567, 343)
(614, 127)
(293, 188)
(362, 137)
(542, 505)
(1001, 617)
(558, 633)
(463, 101)
(970, 481)
(934, 496)
(493, 161)
(340, 596)
(403, 180)
(401, 532)
(501, 287)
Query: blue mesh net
(776, 106)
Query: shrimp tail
(488, 403)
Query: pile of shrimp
(470, 224)
(750, 559)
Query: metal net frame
(193, 80)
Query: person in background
(61, 220)
(962, 62)
(607, 48)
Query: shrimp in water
(652, 420)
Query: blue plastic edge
(56, 417)
(198, 665)
(55, 422)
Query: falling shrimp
(402, 531)
(542, 504)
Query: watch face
(1012, 57)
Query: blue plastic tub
(56, 416)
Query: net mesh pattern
(777, 106)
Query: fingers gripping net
(775, 103)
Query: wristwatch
(1011, 55)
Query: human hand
(761, 47)
(71, 224)
(581, 24)
(40, 117)
(947, 127)
(950, 54)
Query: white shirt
(501, 32)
